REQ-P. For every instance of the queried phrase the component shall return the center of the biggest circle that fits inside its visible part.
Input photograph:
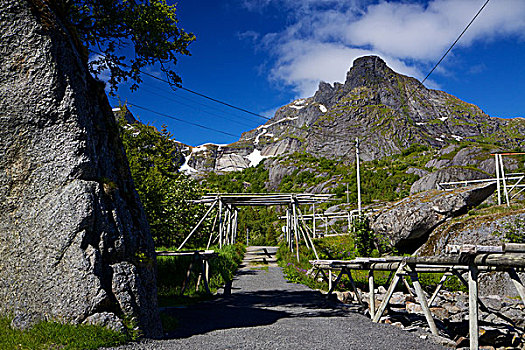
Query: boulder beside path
(75, 245)
(408, 223)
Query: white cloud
(325, 36)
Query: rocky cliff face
(74, 242)
(386, 110)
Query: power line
(266, 118)
(207, 97)
(456, 41)
(441, 59)
(180, 120)
(196, 108)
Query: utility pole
(358, 176)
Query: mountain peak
(366, 71)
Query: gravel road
(264, 311)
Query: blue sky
(262, 54)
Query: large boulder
(74, 240)
(484, 229)
(448, 174)
(408, 222)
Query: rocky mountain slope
(386, 110)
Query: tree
(154, 160)
(148, 27)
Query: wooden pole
(517, 283)
(438, 288)
(206, 275)
(371, 293)
(358, 176)
(502, 169)
(354, 287)
(473, 306)
(296, 234)
(423, 302)
(313, 211)
(497, 178)
(197, 226)
(212, 229)
(307, 238)
(389, 293)
(220, 223)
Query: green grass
(342, 248)
(53, 335)
(171, 273)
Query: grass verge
(342, 248)
(53, 335)
(171, 273)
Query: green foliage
(149, 27)
(54, 335)
(513, 232)
(171, 273)
(363, 236)
(249, 180)
(154, 160)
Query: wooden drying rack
(471, 259)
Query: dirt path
(266, 312)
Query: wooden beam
(517, 283)
(371, 293)
(473, 307)
(423, 302)
(197, 226)
(438, 288)
(389, 293)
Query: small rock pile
(501, 319)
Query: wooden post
(197, 226)
(371, 293)
(296, 234)
(212, 229)
(389, 292)
(473, 306)
(308, 239)
(502, 170)
(517, 283)
(497, 178)
(206, 275)
(358, 175)
(329, 280)
(407, 286)
(220, 223)
(354, 287)
(438, 288)
(235, 217)
(423, 302)
(313, 213)
(334, 284)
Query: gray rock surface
(408, 223)
(481, 230)
(74, 241)
(368, 106)
(448, 174)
